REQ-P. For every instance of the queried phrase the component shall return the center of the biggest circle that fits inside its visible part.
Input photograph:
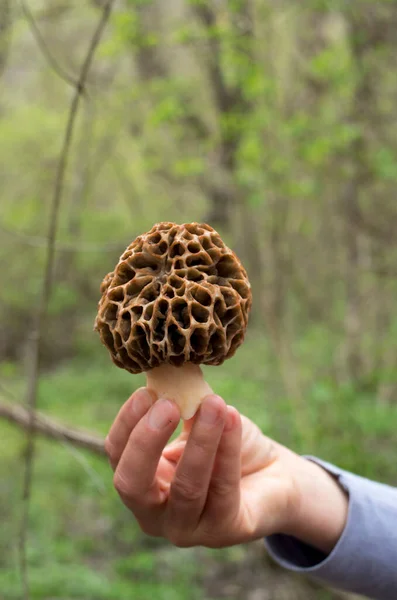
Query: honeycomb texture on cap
(177, 295)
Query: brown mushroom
(177, 298)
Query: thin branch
(49, 428)
(35, 338)
(5, 33)
(41, 242)
(225, 98)
(42, 44)
(84, 463)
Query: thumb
(174, 451)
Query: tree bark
(5, 27)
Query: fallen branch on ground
(42, 424)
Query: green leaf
(384, 161)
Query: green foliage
(384, 161)
(271, 106)
(82, 583)
(83, 544)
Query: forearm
(321, 507)
(364, 558)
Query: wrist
(320, 509)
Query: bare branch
(42, 44)
(80, 246)
(51, 429)
(35, 338)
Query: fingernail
(160, 415)
(230, 421)
(141, 403)
(209, 412)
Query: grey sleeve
(364, 561)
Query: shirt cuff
(365, 557)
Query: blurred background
(275, 121)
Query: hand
(221, 482)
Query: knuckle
(212, 540)
(142, 446)
(148, 528)
(122, 485)
(221, 488)
(201, 447)
(124, 422)
(183, 488)
(180, 540)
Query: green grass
(84, 544)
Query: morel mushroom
(177, 298)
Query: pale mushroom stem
(184, 385)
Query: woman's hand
(221, 482)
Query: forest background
(275, 121)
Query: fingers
(188, 493)
(129, 415)
(174, 451)
(187, 425)
(224, 490)
(135, 474)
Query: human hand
(221, 482)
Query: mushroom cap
(177, 295)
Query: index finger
(189, 488)
(128, 416)
(135, 476)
